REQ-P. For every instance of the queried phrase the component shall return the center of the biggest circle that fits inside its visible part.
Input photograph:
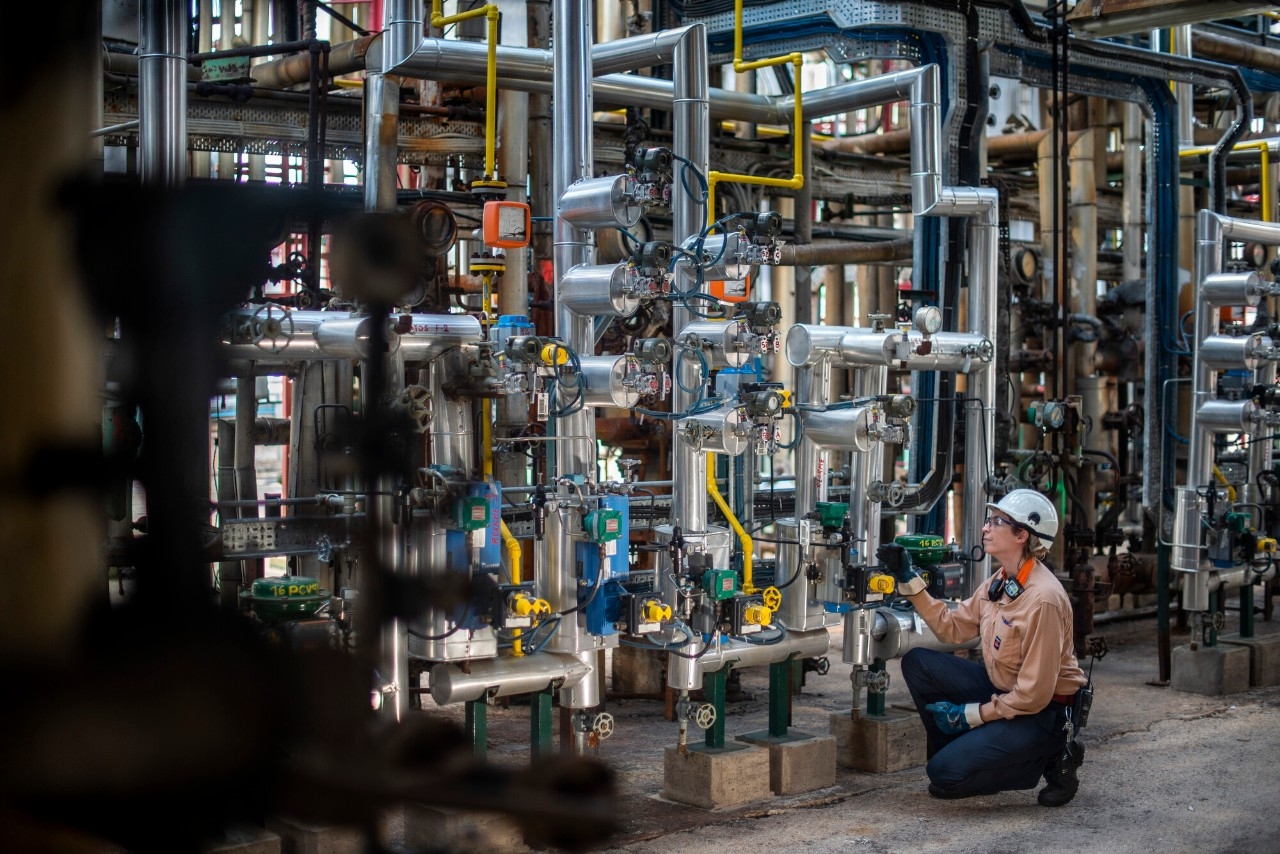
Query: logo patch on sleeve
(996, 643)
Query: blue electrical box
(604, 608)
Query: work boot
(1061, 777)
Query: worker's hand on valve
(954, 719)
(897, 560)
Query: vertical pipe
(513, 157)
(1132, 223)
(201, 159)
(245, 471)
(575, 451)
(1083, 285)
(381, 119)
(257, 30)
(162, 93)
(691, 107)
(804, 231)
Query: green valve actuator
(603, 525)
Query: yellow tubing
(490, 13)
(1265, 146)
(796, 181)
(513, 551)
(1222, 479)
(748, 547)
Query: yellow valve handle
(757, 615)
(786, 398)
(772, 598)
(880, 584)
(655, 612)
(554, 354)
(523, 605)
(1266, 544)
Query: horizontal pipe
(845, 252)
(336, 335)
(895, 633)
(743, 654)
(344, 58)
(505, 676)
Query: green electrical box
(472, 513)
(603, 525)
(831, 513)
(720, 584)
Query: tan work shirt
(1027, 644)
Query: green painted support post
(1246, 610)
(713, 685)
(779, 698)
(875, 700)
(477, 725)
(540, 745)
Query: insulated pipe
(335, 335)
(894, 633)
(747, 654)
(1133, 227)
(691, 124)
(506, 676)
(598, 290)
(812, 384)
(859, 347)
(243, 457)
(513, 163)
(575, 453)
(838, 430)
(344, 58)
(162, 93)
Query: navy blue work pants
(995, 757)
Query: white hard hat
(1032, 511)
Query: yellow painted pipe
(490, 13)
(748, 546)
(1262, 144)
(796, 181)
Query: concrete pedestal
(1264, 658)
(1211, 670)
(244, 840)
(722, 777)
(440, 829)
(301, 837)
(798, 762)
(878, 743)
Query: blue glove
(897, 561)
(953, 719)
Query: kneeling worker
(1002, 724)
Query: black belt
(1065, 699)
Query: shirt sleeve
(1042, 641)
(951, 625)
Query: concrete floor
(1166, 771)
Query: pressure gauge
(506, 225)
(928, 319)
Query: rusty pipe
(846, 252)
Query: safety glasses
(997, 521)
